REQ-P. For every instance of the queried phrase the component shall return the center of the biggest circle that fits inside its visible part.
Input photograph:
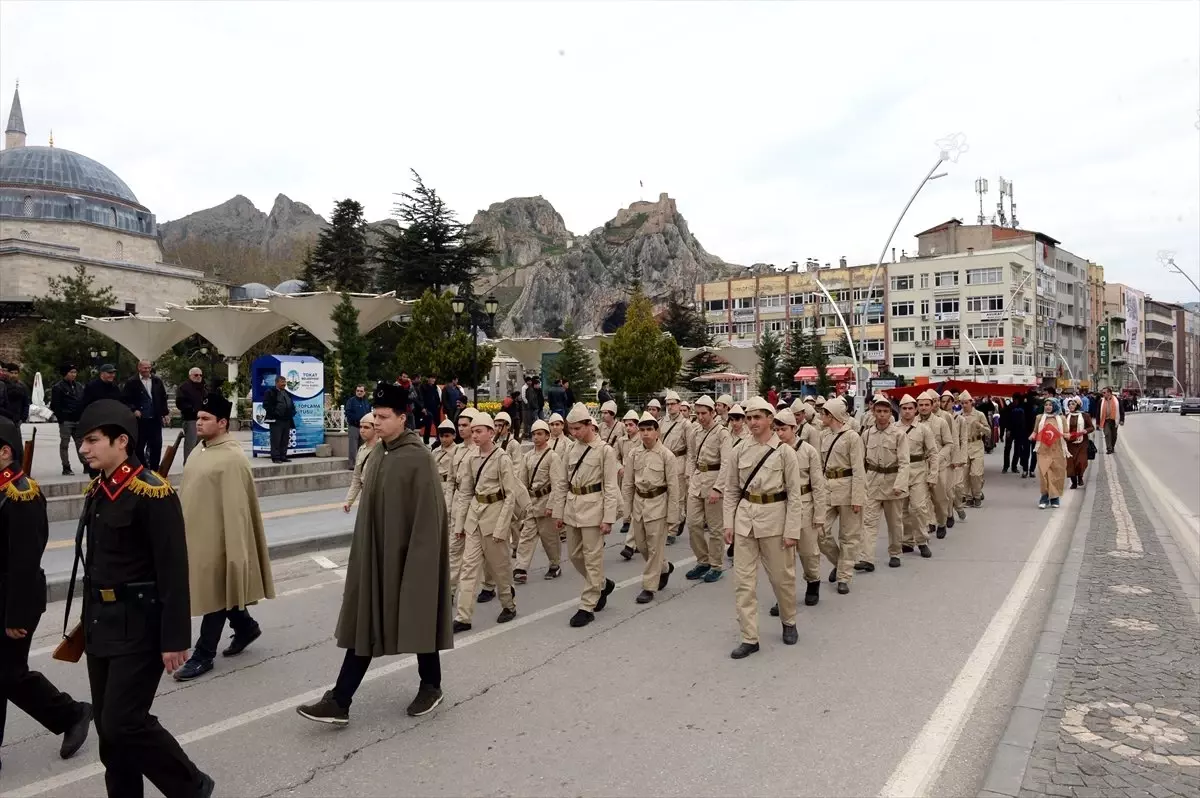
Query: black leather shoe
(74, 737)
(192, 669)
(775, 611)
(925, 552)
(843, 588)
(609, 587)
(907, 549)
(663, 578)
(461, 626)
(743, 650)
(645, 597)
(894, 562)
(553, 572)
(931, 529)
(697, 572)
(869, 567)
(833, 575)
(941, 532)
(239, 643)
(812, 594)
(506, 615)
(790, 635)
(485, 596)
(950, 522)
(207, 786)
(628, 553)
(582, 618)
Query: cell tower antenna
(981, 188)
(1012, 206)
(1000, 205)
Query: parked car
(1190, 405)
(1174, 405)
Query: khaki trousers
(960, 486)
(974, 477)
(893, 511)
(482, 548)
(809, 552)
(779, 563)
(917, 512)
(683, 490)
(651, 537)
(843, 550)
(941, 497)
(534, 529)
(707, 544)
(585, 547)
(457, 546)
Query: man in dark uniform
(280, 410)
(136, 607)
(23, 533)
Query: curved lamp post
(490, 306)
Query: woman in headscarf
(366, 433)
(1078, 426)
(1051, 448)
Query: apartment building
(1122, 330)
(1095, 280)
(1159, 377)
(740, 311)
(1187, 351)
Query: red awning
(976, 389)
(809, 374)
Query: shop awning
(976, 389)
(838, 373)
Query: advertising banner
(306, 383)
(1133, 323)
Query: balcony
(945, 343)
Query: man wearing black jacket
(66, 403)
(146, 396)
(432, 401)
(188, 399)
(18, 394)
(280, 410)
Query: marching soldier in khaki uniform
(886, 460)
(545, 478)
(814, 505)
(763, 511)
(722, 405)
(590, 511)
(654, 408)
(650, 495)
(511, 447)
(676, 431)
(959, 464)
(623, 446)
(709, 449)
(842, 461)
(610, 430)
(819, 406)
(922, 476)
(444, 457)
(930, 415)
(739, 433)
(486, 501)
(974, 428)
(558, 440)
(807, 431)
(461, 452)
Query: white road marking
(1128, 540)
(923, 762)
(323, 561)
(56, 784)
(1184, 524)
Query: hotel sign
(1102, 344)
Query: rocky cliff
(239, 223)
(586, 279)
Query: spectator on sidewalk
(451, 394)
(431, 398)
(18, 394)
(66, 403)
(146, 396)
(356, 408)
(556, 397)
(188, 398)
(1112, 415)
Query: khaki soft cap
(579, 413)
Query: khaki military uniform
(842, 460)
(486, 502)
(592, 499)
(951, 477)
(810, 433)
(945, 446)
(612, 433)
(445, 460)
(922, 476)
(545, 478)
(560, 444)
(886, 462)
(762, 511)
(650, 496)
(814, 507)
(623, 447)
(973, 430)
(709, 450)
(960, 459)
(676, 436)
(462, 453)
(512, 449)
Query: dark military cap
(394, 396)
(108, 412)
(10, 434)
(217, 405)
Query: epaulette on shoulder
(91, 486)
(150, 483)
(22, 489)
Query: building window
(772, 326)
(715, 304)
(904, 361)
(945, 279)
(119, 251)
(902, 308)
(743, 303)
(925, 280)
(25, 235)
(112, 216)
(985, 303)
(902, 283)
(872, 345)
(990, 276)
(902, 335)
(950, 331)
(924, 332)
(945, 306)
(924, 307)
(987, 359)
(985, 330)
(772, 301)
(718, 329)
(27, 206)
(945, 359)
(924, 360)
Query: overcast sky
(784, 130)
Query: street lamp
(490, 306)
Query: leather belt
(134, 591)
(917, 458)
(705, 467)
(652, 493)
(587, 489)
(544, 490)
(805, 489)
(838, 473)
(878, 469)
(764, 498)
(490, 498)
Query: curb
(1011, 757)
(56, 586)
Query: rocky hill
(238, 222)
(585, 279)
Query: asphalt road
(901, 687)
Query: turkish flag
(1049, 435)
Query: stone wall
(13, 333)
(87, 240)
(26, 273)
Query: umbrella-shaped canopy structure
(528, 351)
(232, 329)
(592, 342)
(313, 310)
(146, 337)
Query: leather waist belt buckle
(805, 489)
(108, 595)
(917, 458)
(587, 489)
(878, 469)
(837, 473)
(653, 492)
(544, 490)
(765, 498)
(490, 498)
(706, 467)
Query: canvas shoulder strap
(829, 451)
(754, 472)
(579, 462)
(533, 473)
(483, 465)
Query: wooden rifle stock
(168, 459)
(27, 454)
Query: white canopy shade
(592, 342)
(232, 329)
(528, 351)
(743, 358)
(146, 337)
(313, 310)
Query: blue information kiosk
(306, 383)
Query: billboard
(1133, 322)
(1103, 345)
(306, 383)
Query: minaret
(14, 133)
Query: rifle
(164, 467)
(27, 454)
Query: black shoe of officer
(941, 532)
(775, 611)
(553, 572)
(907, 549)
(812, 594)
(461, 626)
(869, 567)
(74, 737)
(729, 550)
(628, 552)
(609, 587)
(645, 597)
(843, 588)
(663, 578)
(239, 643)
(743, 650)
(582, 618)
(790, 635)
(925, 552)
(485, 596)
(894, 562)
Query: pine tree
(640, 360)
(769, 352)
(844, 349)
(574, 364)
(820, 361)
(685, 324)
(796, 355)
(351, 349)
(432, 250)
(434, 343)
(339, 260)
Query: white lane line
(923, 762)
(56, 784)
(1128, 540)
(323, 561)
